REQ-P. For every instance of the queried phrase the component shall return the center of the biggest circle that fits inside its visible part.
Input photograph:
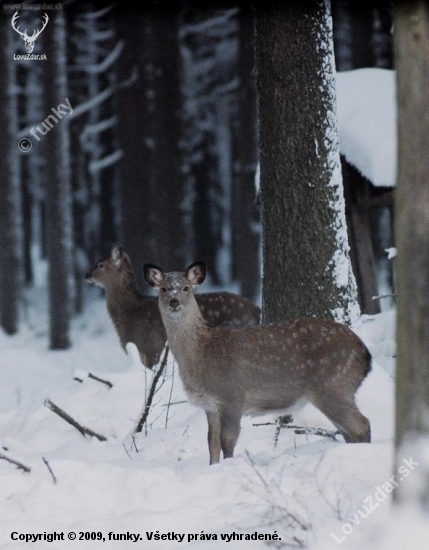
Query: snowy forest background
(162, 154)
(168, 197)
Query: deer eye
(163, 289)
(185, 289)
(100, 265)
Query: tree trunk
(58, 187)
(245, 213)
(167, 183)
(306, 265)
(11, 222)
(412, 238)
(135, 105)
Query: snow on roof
(367, 122)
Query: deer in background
(229, 371)
(137, 318)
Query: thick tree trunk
(150, 126)
(412, 238)
(245, 212)
(167, 184)
(306, 266)
(11, 223)
(135, 105)
(58, 190)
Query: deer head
(29, 40)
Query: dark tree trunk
(33, 190)
(167, 183)
(361, 13)
(206, 236)
(150, 133)
(58, 190)
(382, 34)
(11, 221)
(343, 45)
(412, 238)
(245, 212)
(306, 263)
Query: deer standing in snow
(229, 371)
(136, 317)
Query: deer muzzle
(174, 305)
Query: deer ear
(117, 255)
(153, 275)
(196, 273)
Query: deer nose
(174, 304)
(88, 276)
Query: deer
(234, 371)
(137, 318)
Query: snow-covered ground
(305, 487)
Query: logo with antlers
(29, 40)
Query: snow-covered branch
(104, 65)
(105, 162)
(204, 26)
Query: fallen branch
(49, 469)
(393, 295)
(152, 390)
(94, 377)
(19, 465)
(283, 422)
(109, 384)
(299, 430)
(62, 414)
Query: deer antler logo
(29, 40)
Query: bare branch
(19, 465)
(106, 382)
(105, 162)
(62, 414)
(98, 14)
(393, 295)
(299, 430)
(104, 65)
(149, 399)
(207, 24)
(49, 469)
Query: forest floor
(302, 488)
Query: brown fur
(231, 371)
(137, 318)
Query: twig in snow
(125, 449)
(299, 430)
(94, 377)
(109, 384)
(169, 399)
(19, 465)
(149, 399)
(62, 414)
(49, 469)
(280, 509)
(393, 295)
(282, 422)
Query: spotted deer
(137, 318)
(230, 371)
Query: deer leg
(345, 415)
(229, 430)
(213, 420)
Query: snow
(367, 122)
(159, 481)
